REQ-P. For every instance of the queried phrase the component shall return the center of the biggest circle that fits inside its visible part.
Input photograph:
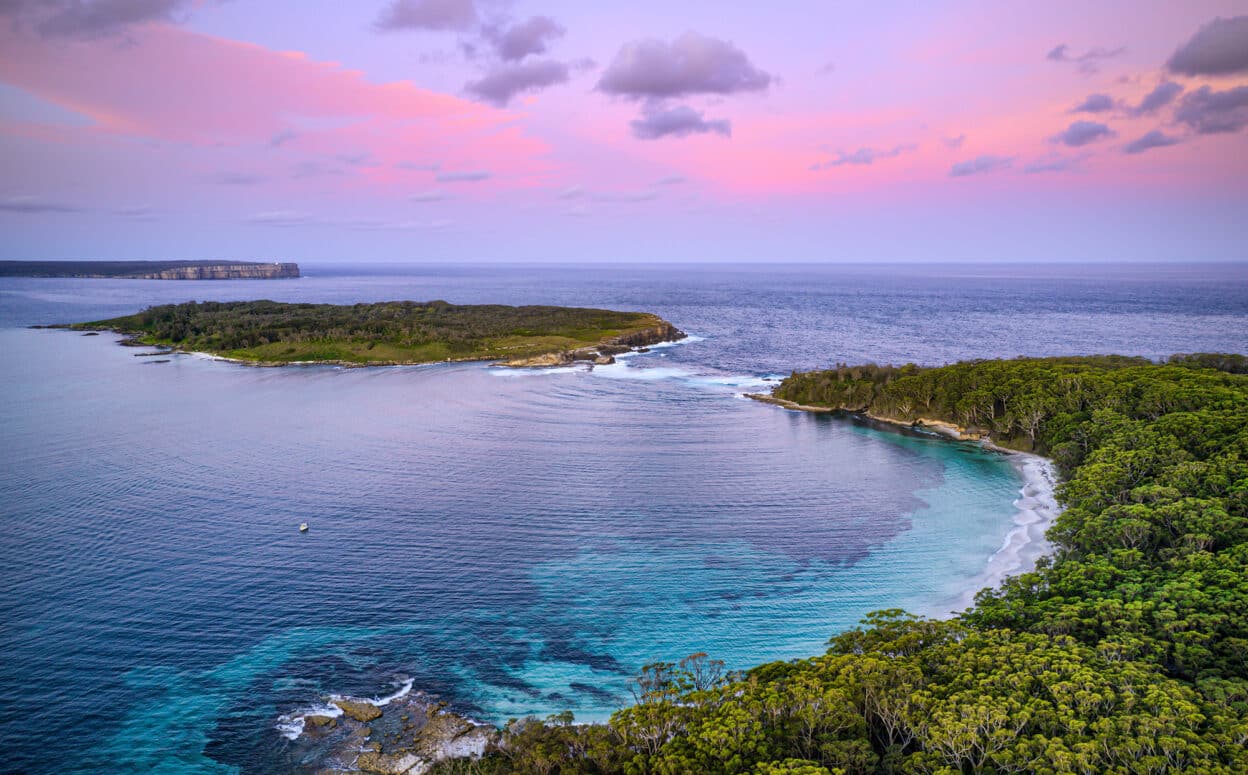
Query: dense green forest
(385, 332)
(1126, 651)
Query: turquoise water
(518, 542)
(521, 544)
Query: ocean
(518, 542)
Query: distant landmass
(151, 270)
(270, 333)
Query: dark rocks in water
(92, 333)
(407, 735)
(360, 711)
(643, 349)
(391, 764)
(160, 360)
(318, 725)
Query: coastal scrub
(389, 333)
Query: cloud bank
(690, 65)
(1158, 98)
(1218, 48)
(427, 15)
(78, 19)
(1081, 133)
(31, 205)
(1154, 139)
(523, 39)
(1095, 103)
(1088, 62)
(980, 165)
(680, 121)
(864, 156)
(500, 85)
(1209, 112)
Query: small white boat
(303, 527)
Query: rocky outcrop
(769, 399)
(545, 359)
(603, 353)
(360, 711)
(318, 725)
(939, 426)
(406, 735)
(656, 334)
(393, 764)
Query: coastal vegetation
(1126, 651)
(392, 332)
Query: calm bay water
(516, 541)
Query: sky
(443, 131)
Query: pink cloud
(174, 85)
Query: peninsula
(270, 333)
(151, 270)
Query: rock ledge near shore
(604, 353)
(404, 735)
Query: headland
(269, 333)
(152, 270)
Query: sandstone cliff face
(151, 270)
(224, 272)
(662, 332)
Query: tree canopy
(383, 332)
(1126, 651)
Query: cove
(517, 542)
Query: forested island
(1126, 651)
(390, 333)
(151, 270)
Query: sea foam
(1036, 509)
(291, 725)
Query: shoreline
(602, 353)
(439, 733)
(404, 731)
(1035, 509)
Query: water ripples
(519, 541)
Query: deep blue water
(517, 541)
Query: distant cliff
(151, 270)
(224, 272)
